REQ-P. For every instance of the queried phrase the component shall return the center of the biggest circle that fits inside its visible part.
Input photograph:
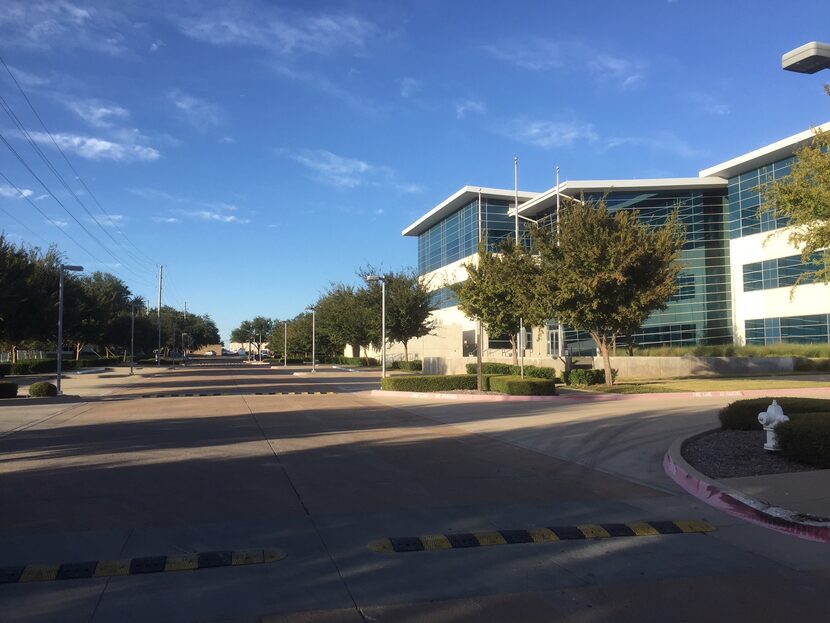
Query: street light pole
(132, 336)
(285, 345)
(62, 268)
(313, 338)
(375, 279)
(520, 340)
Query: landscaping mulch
(736, 453)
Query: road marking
(398, 545)
(183, 395)
(140, 565)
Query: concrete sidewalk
(806, 493)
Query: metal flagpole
(560, 330)
(519, 341)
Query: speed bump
(582, 532)
(140, 565)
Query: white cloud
(276, 29)
(12, 193)
(549, 134)
(60, 24)
(57, 223)
(542, 54)
(462, 108)
(97, 113)
(195, 110)
(165, 219)
(410, 86)
(708, 103)
(334, 169)
(209, 215)
(108, 220)
(666, 142)
(156, 45)
(94, 148)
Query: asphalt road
(321, 476)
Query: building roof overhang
(458, 200)
(572, 189)
(764, 155)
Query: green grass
(707, 385)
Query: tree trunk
(515, 350)
(606, 361)
(406, 350)
(356, 351)
(78, 347)
(14, 353)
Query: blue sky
(261, 150)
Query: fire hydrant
(770, 419)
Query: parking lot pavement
(323, 476)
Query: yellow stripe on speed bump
(581, 532)
(144, 564)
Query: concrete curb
(737, 503)
(462, 397)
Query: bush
(8, 389)
(806, 439)
(42, 390)
(354, 361)
(804, 364)
(432, 383)
(582, 376)
(412, 366)
(5, 368)
(539, 372)
(743, 414)
(729, 350)
(518, 386)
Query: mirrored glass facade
(745, 199)
(814, 329)
(700, 312)
(780, 272)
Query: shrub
(806, 439)
(355, 361)
(540, 372)
(582, 376)
(412, 366)
(431, 383)
(518, 386)
(743, 414)
(42, 389)
(8, 389)
(5, 368)
(804, 364)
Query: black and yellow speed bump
(138, 566)
(582, 532)
(195, 395)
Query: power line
(8, 110)
(72, 168)
(60, 203)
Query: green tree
(408, 308)
(803, 199)
(608, 272)
(256, 331)
(499, 291)
(345, 315)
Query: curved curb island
(737, 503)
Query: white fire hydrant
(770, 419)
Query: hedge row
(355, 361)
(8, 389)
(431, 383)
(743, 414)
(412, 366)
(43, 366)
(806, 439)
(803, 364)
(539, 372)
(518, 386)
(581, 376)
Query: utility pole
(520, 340)
(158, 314)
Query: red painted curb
(738, 504)
(465, 397)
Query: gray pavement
(320, 476)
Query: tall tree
(408, 308)
(607, 272)
(499, 291)
(344, 316)
(803, 199)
